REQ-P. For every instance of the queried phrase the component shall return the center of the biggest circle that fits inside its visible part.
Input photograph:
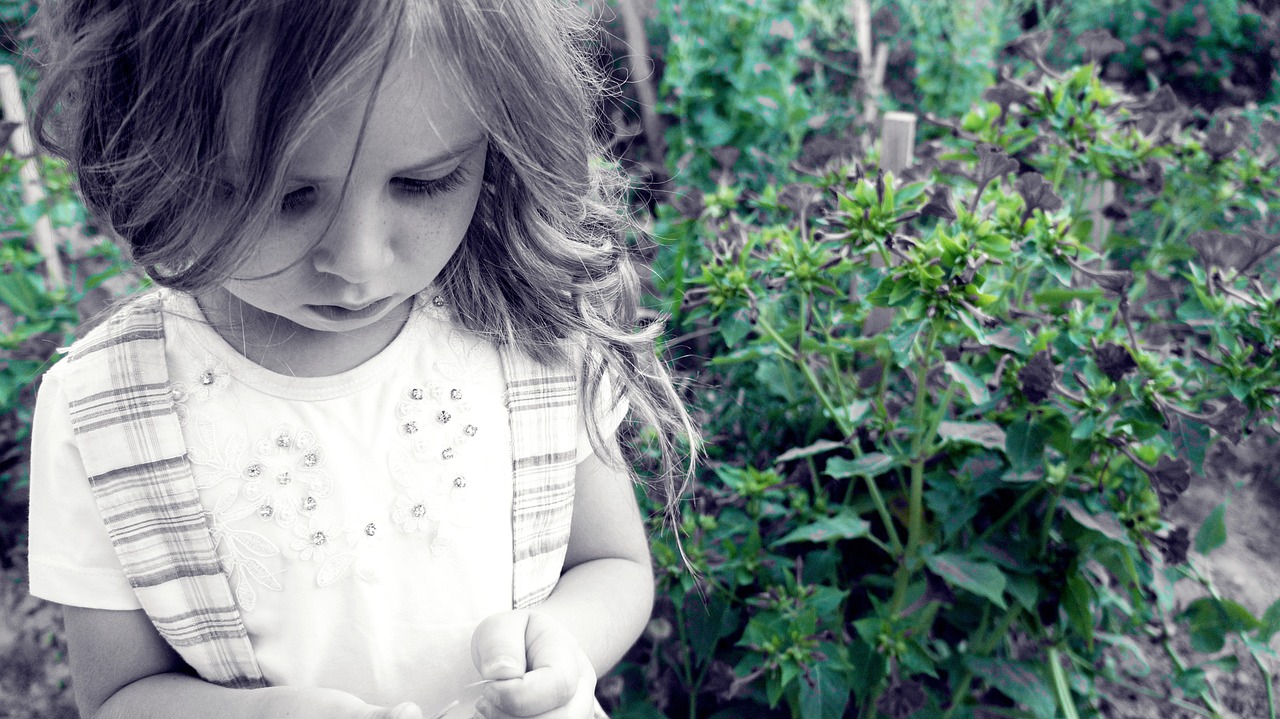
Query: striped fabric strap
(542, 403)
(127, 430)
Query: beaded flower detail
(327, 544)
(209, 380)
(286, 476)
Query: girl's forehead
(416, 96)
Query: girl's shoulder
(136, 317)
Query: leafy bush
(1211, 52)
(965, 510)
(747, 81)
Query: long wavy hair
(138, 95)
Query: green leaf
(870, 465)
(844, 525)
(1270, 622)
(854, 411)
(1104, 522)
(827, 696)
(819, 447)
(973, 386)
(733, 329)
(1016, 680)
(1024, 445)
(1076, 600)
(1190, 439)
(1213, 533)
(977, 576)
(21, 294)
(1210, 620)
(987, 434)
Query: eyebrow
(446, 156)
(426, 164)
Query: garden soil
(1246, 569)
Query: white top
(364, 516)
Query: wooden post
(1103, 194)
(642, 76)
(32, 188)
(897, 141)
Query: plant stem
(915, 494)
(798, 358)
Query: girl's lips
(338, 313)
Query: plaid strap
(542, 405)
(124, 422)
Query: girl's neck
(286, 348)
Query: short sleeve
(609, 416)
(70, 556)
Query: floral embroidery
(209, 380)
(328, 545)
(240, 551)
(431, 503)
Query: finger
(406, 710)
(581, 705)
(497, 645)
(537, 692)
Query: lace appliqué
(240, 551)
(282, 480)
(329, 545)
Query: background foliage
(965, 513)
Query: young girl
(357, 456)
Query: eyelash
(297, 200)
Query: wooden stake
(897, 141)
(642, 76)
(32, 187)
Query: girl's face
(347, 264)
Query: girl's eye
(298, 200)
(430, 188)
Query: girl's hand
(307, 703)
(538, 668)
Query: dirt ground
(1246, 569)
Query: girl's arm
(551, 654)
(121, 667)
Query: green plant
(744, 83)
(970, 514)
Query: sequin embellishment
(309, 504)
(253, 471)
(410, 427)
(417, 393)
(310, 459)
(319, 539)
(419, 511)
(370, 529)
(438, 301)
(455, 394)
(447, 453)
(443, 417)
(283, 479)
(460, 482)
(266, 511)
(471, 430)
(207, 378)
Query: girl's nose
(357, 247)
